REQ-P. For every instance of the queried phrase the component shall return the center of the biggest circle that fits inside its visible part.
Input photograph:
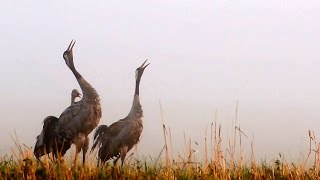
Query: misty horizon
(205, 57)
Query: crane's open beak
(144, 66)
(78, 95)
(71, 45)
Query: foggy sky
(205, 56)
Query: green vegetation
(217, 163)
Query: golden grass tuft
(217, 163)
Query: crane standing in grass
(119, 138)
(79, 119)
(47, 135)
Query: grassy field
(217, 163)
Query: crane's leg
(79, 141)
(78, 149)
(83, 156)
(123, 154)
(85, 148)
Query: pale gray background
(205, 55)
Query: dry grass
(217, 163)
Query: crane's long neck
(136, 110)
(73, 98)
(89, 93)
(136, 91)
(74, 71)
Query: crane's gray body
(119, 138)
(46, 140)
(79, 119)
(122, 135)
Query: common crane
(47, 136)
(119, 138)
(78, 120)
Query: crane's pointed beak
(143, 66)
(71, 45)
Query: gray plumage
(46, 140)
(119, 138)
(85, 145)
(74, 94)
(79, 119)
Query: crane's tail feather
(51, 139)
(46, 135)
(100, 130)
(97, 137)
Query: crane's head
(140, 70)
(75, 93)
(68, 55)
